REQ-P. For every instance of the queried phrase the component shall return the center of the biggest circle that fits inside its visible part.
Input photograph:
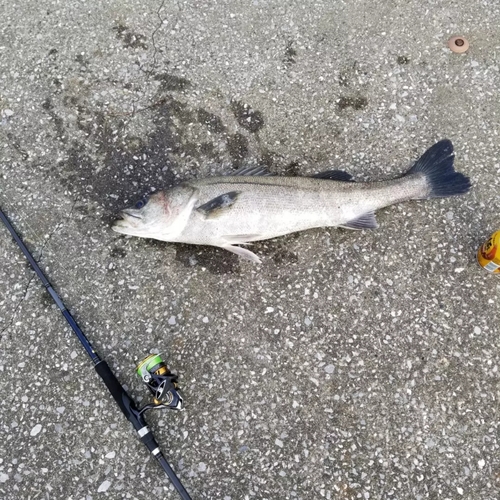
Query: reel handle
(161, 382)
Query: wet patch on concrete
(283, 256)
(237, 145)
(355, 102)
(118, 253)
(211, 121)
(129, 38)
(58, 122)
(46, 300)
(105, 160)
(80, 59)
(292, 169)
(290, 54)
(172, 83)
(247, 117)
(270, 159)
(16, 145)
(114, 167)
(214, 260)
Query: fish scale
(253, 205)
(273, 207)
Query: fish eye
(141, 202)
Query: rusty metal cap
(458, 44)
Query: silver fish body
(233, 210)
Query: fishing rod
(152, 370)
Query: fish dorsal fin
(365, 221)
(334, 175)
(218, 205)
(252, 172)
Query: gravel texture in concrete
(348, 364)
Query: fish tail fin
(437, 166)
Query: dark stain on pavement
(290, 54)
(283, 256)
(214, 260)
(118, 253)
(122, 167)
(270, 159)
(292, 169)
(172, 83)
(48, 106)
(247, 117)
(129, 38)
(106, 161)
(211, 121)
(114, 167)
(15, 142)
(355, 102)
(80, 59)
(237, 146)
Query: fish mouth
(124, 214)
(126, 220)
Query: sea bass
(251, 204)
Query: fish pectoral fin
(218, 205)
(252, 171)
(334, 175)
(365, 221)
(242, 252)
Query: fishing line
(153, 371)
(45, 243)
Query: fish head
(161, 216)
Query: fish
(251, 204)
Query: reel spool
(161, 383)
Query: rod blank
(122, 398)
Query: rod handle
(130, 410)
(123, 400)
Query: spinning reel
(161, 383)
(152, 370)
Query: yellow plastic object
(488, 254)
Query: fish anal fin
(334, 175)
(244, 253)
(365, 221)
(218, 205)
